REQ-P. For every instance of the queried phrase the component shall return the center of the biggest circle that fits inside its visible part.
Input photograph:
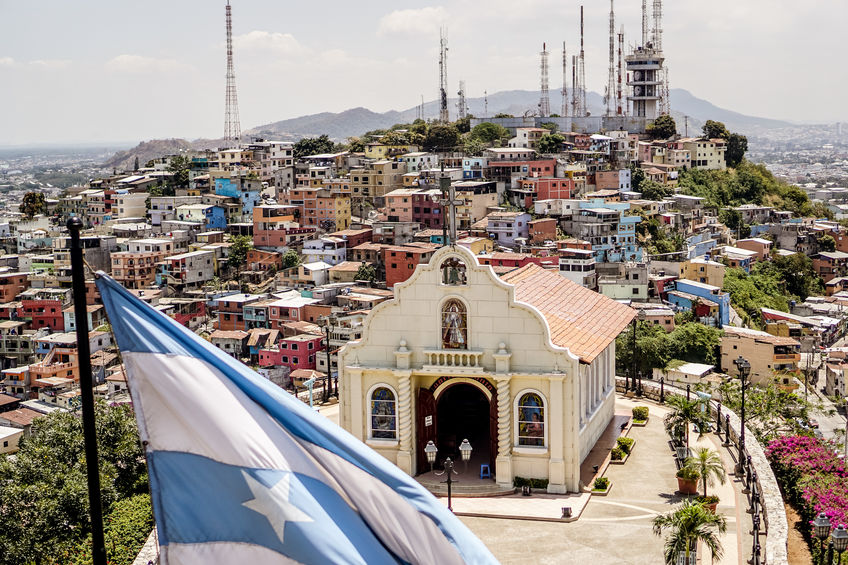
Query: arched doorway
(463, 412)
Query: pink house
(295, 352)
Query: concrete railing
(770, 499)
(462, 358)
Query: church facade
(521, 365)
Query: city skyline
(160, 73)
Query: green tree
(126, 529)
(651, 349)
(707, 463)
(663, 127)
(179, 165)
(770, 410)
(637, 177)
(737, 146)
(44, 508)
(715, 130)
(313, 146)
(366, 272)
(32, 204)
(471, 145)
(550, 126)
(827, 243)
(463, 125)
(355, 144)
(502, 115)
(685, 413)
(441, 137)
(688, 525)
(487, 132)
(695, 343)
(135, 163)
(290, 259)
(550, 143)
(652, 190)
(240, 245)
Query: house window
(383, 414)
(531, 420)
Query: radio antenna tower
(461, 105)
(575, 86)
(545, 100)
(658, 31)
(583, 109)
(564, 112)
(619, 108)
(666, 94)
(644, 24)
(444, 115)
(610, 94)
(232, 125)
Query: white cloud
(141, 64)
(422, 21)
(50, 63)
(278, 43)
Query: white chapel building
(521, 365)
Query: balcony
(787, 357)
(456, 360)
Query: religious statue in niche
(454, 325)
(453, 272)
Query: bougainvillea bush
(812, 477)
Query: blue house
(216, 218)
(472, 167)
(705, 299)
(248, 191)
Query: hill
(147, 150)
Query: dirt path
(799, 551)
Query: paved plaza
(615, 529)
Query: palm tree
(685, 413)
(707, 463)
(688, 525)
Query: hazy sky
(112, 70)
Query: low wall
(771, 500)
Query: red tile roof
(21, 416)
(580, 319)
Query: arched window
(531, 420)
(383, 414)
(454, 325)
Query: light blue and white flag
(243, 473)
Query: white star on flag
(274, 504)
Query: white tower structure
(610, 91)
(444, 115)
(645, 70)
(545, 100)
(564, 111)
(461, 104)
(232, 124)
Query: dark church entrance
(462, 411)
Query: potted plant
(707, 463)
(687, 480)
(710, 502)
(625, 444)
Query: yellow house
(703, 270)
(769, 355)
(477, 245)
(9, 438)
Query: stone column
(503, 462)
(556, 435)
(404, 457)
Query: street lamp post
(821, 528)
(328, 322)
(839, 539)
(465, 453)
(744, 368)
(430, 450)
(642, 317)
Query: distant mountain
(357, 121)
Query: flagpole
(98, 545)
